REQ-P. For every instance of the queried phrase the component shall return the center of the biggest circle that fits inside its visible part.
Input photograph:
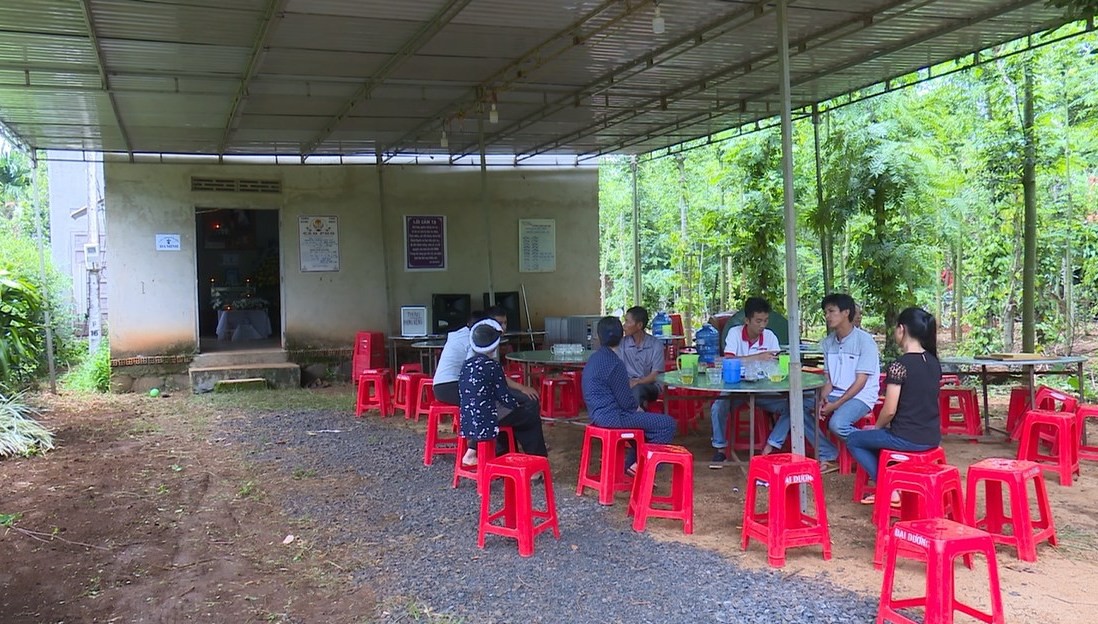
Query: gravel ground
(419, 536)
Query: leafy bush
(20, 433)
(93, 374)
(20, 337)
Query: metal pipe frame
(104, 76)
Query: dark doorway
(239, 303)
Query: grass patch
(20, 433)
(403, 609)
(92, 374)
(341, 400)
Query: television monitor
(449, 312)
(509, 301)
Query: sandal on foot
(632, 470)
(827, 467)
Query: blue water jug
(708, 341)
(730, 370)
(661, 325)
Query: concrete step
(283, 375)
(260, 357)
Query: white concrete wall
(154, 294)
(68, 189)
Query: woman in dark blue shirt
(610, 401)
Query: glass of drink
(687, 375)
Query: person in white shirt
(853, 365)
(523, 419)
(750, 342)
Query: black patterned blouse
(481, 385)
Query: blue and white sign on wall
(168, 242)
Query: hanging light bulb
(658, 25)
(444, 142)
(493, 115)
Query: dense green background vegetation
(916, 181)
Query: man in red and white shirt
(750, 342)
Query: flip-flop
(827, 467)
(631, 471)
(468, 466)
(870, 499)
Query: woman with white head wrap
(481, 386)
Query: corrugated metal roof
(352, 76)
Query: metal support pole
(796, 399)
(484, 208)
(637, 292)
(385, 248)
(47, 321)
(93, 263)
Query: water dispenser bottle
(707, 339)
(661, 325)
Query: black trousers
(525, 420)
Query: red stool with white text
(520, 520)
(938, 542)
(783, 525)
(926, 491)
(888, 458)
(679, 504)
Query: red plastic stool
(1055, 401)
(405, 390)
(966, 407)
(611, 476)
(783, 525)
(939, 542)
(686, 412)
(1085, 412)
(949, 379)
(520, 519)
(1064, 457)
(1016, 410)
(888, 458)
(926, 491)
(1016, 475)
(436, 444)
(411, 368)
(643, 501)
(558, 398)
(739, 429)
(373, 392)
(425, 398)
(577, 385)
(847, 464)
(486, 452)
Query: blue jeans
(812, 434)
(718, 414)
(865, 446)
(843, 418)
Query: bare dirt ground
(141, 516)
(146, 513)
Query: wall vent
(229, 185)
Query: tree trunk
(686, 298)
(826, 249)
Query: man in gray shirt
(642, 354)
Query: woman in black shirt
(909, 419)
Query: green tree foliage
(920, 186)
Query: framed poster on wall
(318, 242)
(537, 245)
(424, 243)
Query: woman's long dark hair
(921, 325)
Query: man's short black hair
(475, 317)
(753, 306)
(495, 312)
(842, 301)
(639, 314)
